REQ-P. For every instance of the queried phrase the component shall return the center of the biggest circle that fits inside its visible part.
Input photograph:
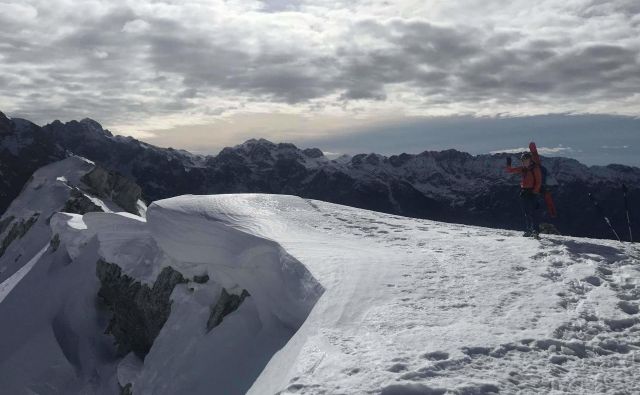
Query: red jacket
(531, 176)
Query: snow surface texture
(421, 307)
(52, 336)
(49, 189)
(343, 301)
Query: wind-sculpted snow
(333, 300)
(228, 240)
(56, 187)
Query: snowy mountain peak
(264, 294)
(262, 152)
(448, 185)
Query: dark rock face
(126, 390)
(201, 279)
(24, 148)
(17, 230)
(78, 203)
(227, 304)
(121, 190)
(167, 172)
(139, 311)
(4, 224)
(448, 186)
(55, 242)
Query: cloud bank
(144, 65)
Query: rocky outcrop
(19, 229)
(24, 148)
(79, 203)
(119, 189)
(138, 311)
(4, 224)
(227, 303)
(126, 390)
(5, 124)
(203, 279)
(55, 242)
(449, 186)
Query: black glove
(508, 161)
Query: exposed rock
(201, 279)
(313, 152)
(549, 229)
(127, 390)
(227, 304)
(79, 203)
(18, 230)
(447, 186)
(121, 190)
(4, 224)
(55, 242)
(24, 148)
(139, 311)
(5, 124)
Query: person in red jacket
(530, 185)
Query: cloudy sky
(346, 75)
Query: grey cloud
(205, 62)
(460, 63)
(100, 70)
(280, 5)
(593, 8)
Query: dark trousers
(530, 207)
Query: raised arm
(510, 169)
(534, 152)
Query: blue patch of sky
(591, 139)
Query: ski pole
(626, 209)
(601, 212)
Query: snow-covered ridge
(342, 300)
(73, 185)
(449, 185)
(187, 235)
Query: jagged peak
(447, 153)
(94, 126)
(254, 142)
(5, 123)
(313, 152)
(371, 159)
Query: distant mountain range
(447, 185)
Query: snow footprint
(436, 356)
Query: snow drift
(238, 299)
(279, 294)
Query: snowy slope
(342, 301)
(24, 227)
(52, 335)
(410, 304)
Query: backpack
(543, 184)
(545, 191)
